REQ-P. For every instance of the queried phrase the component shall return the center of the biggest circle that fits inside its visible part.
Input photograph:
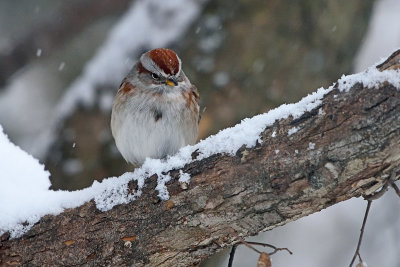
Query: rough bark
(357, 148)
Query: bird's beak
(171, 81)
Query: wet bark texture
(347, 147)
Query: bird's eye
(155, 76)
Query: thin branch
(392, 182)
(232, 255)
(361, 234)
(359, 257)
(250, 244)
(270, 246)
(396, 189)
(384, 188)
(247, 244)
(379, 193)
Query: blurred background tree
(245, 57)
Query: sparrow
(156, 109)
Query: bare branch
(396, 189)
(250, 245)
(357, 253)
(232, 255)
(275, 249)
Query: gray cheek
(153, 85)
(146, 79)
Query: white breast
(138, 134)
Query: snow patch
(184, 177)
(292, 131)
(311, 146)
(372, 77)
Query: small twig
(392, 180)
(247, 244)
(270, 246)
(369, 198)
(250, 244)
(359, 257)
(379, 193)
(396, 189)
(361, 233)
(384, 188)
(232, 255)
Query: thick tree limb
(356, 141)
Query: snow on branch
(346, 144)
(28, 197)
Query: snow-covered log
(340, 143)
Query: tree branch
(357, 252)
(356, 140)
